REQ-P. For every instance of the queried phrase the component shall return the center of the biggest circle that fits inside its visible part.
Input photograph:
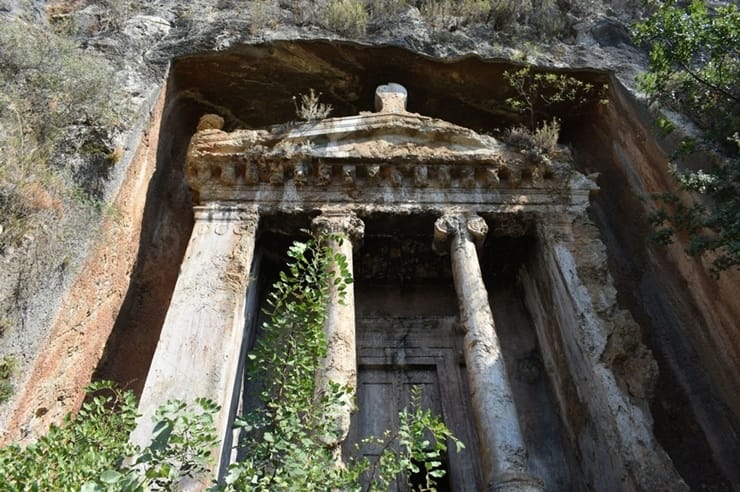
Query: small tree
(536, 94)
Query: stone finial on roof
(210, 122)
(390, 98)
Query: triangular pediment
(382, 136)
(362, 157)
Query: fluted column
(340, 228)
(203, 333)
(504, 455)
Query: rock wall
(88, 311)
(603, 374)
(685, 317)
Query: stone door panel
(395, 355)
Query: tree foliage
(536, 93)
(695, 63)
(90, 451)
(695, 70)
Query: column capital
(244, 218)
(463, 224)
(343, 222)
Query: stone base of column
(516, 482)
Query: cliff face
(101, 312)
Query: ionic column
(341, 228)
(203, 333)
(504, 455)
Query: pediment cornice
(363, 154)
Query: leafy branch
(285, 436)
(537, 92)
(695, 70)
(421, 441)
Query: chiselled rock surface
(572, 301)
(203, 338)
(395, 162)
(341, 229)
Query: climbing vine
(286, 435)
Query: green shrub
(69, 455)
(8, 368)
(90, 451)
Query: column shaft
(203, 333)
(340, 228)
(504, 454)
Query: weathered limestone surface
(602, 374)
(377, 161)
(341, 228)
(504, 454)
(390, 98)
(80, 315)
(203, 334)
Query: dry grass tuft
(543, 139)
(308, 107)
(348, 17)
(546, 136)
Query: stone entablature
(366, 158)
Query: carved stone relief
(341, 170)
